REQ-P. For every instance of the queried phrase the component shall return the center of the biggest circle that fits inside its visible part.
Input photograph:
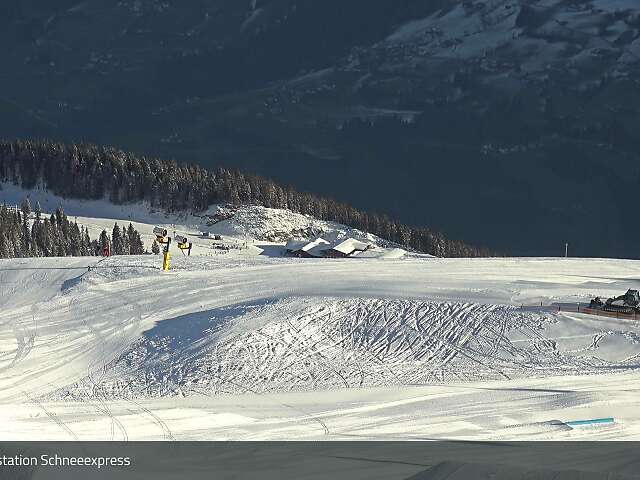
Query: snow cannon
(183, 244)
(161, 234)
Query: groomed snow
(252, 347)
(243, 343)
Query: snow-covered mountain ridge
(491, 98)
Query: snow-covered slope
(254, 229)
(410, 348)
(248, 344)
(320, 343)
(277, 225)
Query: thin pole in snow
(566, 250)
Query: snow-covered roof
(350, 245)
(386, 253)
(319, 246)
(306, 245)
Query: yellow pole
(166, 256)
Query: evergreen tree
(25, 206)
(128, 235)
(94, 248)
(91, 172)
(117, 242)
(4, 246)
(86, 242)
(26, 242)
(75, 241)
(103, 242)
(137, 246)
(155, 248)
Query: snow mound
(126, 351)
(306, 343)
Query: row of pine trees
(24, 233)
(92, 172)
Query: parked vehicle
(627, 303)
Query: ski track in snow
(109, 341)
(327, 343)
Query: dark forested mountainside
(93, 172)
(510, 123)
(27, 233)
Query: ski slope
(256, 230)
(247, 346)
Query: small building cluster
(321, 248)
